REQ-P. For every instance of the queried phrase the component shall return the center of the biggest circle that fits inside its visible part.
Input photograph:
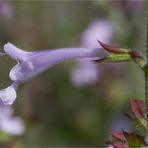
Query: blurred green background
(56, 113)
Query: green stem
(146, 60)
(146, 90)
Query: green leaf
(134, 140)
(140, 125)
(4, 136)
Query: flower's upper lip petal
(15, 52)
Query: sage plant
(30, 64)
(139, 109)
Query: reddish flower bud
(113, 49)
(138, 108)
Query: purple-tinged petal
(9, 123)
(98, 29)
(8, 95)
(85, 73)
(138, 108)
(6, 9)
(14, 52)
(14, 126)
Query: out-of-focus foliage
(132, 139)
(55, 112)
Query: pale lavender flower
(87, 73)
(10, 124)
(110, 146)
(8, 95)
(98, 29)
(33, 63)
(6, 9)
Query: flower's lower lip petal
(14, 71)
(8, 95)
(22, 71)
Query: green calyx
(121, 55)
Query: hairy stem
(146, 59)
